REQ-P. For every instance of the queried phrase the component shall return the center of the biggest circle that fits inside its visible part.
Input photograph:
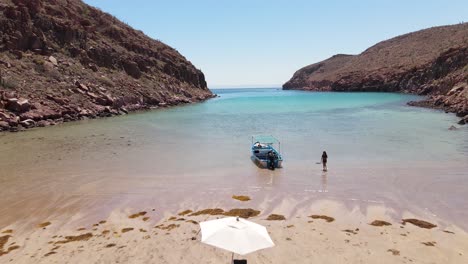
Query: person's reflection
(271, 179)
(324, 182)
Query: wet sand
(302, 232)
(137, 219)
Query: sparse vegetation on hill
(428, 62)
(62, 60)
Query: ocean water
(380, 151)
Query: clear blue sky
(250, 43)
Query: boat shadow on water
(257, 162)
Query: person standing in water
(324, 160)
(271, 159)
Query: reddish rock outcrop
(62, 60)
(432, 62)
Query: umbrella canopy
(236, 235)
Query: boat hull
(264, 163)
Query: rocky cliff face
(62, 60)
(432, 62)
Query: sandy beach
(111, 190)
(312, 232)
(340, 129)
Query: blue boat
(264, 153)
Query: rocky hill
(62, 60)
(431, 62)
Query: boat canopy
(265, 139)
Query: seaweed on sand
(276, 217)
(127, 229)
(215, 211)
(242, 198)
(42, 225)
(244, 213)
(380, 223)
(419, 223)
(137, 215)
(167, 227)
(329, 219)
(3, 241)
(82, 237)
(185, 212)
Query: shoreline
(323, 231)
(22, 124)
(432, 102)
(435, 102)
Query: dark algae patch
(45, 224)
(419, 223)
(380, 223)
(13, 247)
(82, 237)
(110, 245)
(3, 242)
(9, 231)
(167, 227)
(394, 252)
(55, 248)
(429, 244)
(354, 232)
(276, 217)
(244, 213)
(9, 250)
(186, 212)
(137, 215)
(192, 221)
(128, 229)
(242, 198)
(215, 211)
(329, 219)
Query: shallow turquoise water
(352, 127)
(380, 151)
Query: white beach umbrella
(236, 235)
